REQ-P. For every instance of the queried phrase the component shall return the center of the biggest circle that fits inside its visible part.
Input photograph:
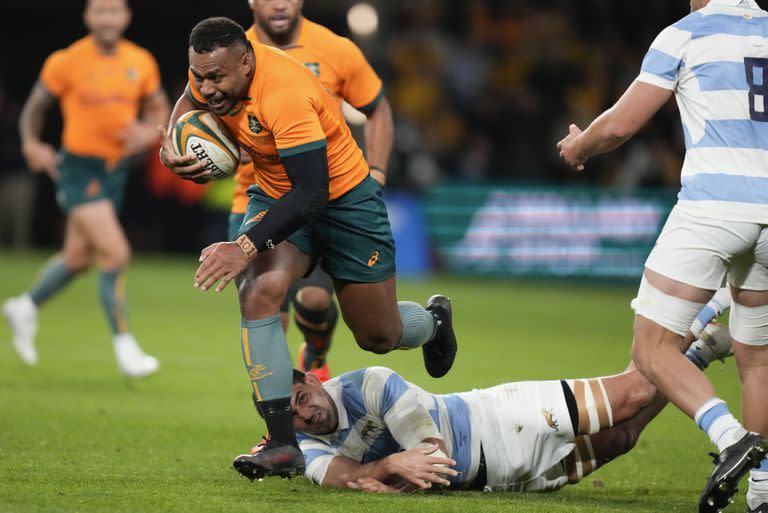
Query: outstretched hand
(221, 261)
(420, 468)
(568, 150)
(184, 166)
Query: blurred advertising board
(584, 232)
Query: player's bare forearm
(32, 116)
(156, 109)
(342, 471)
(379, 134)
(182, 106)
(619, 123)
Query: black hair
(298, 377)
(218, 32)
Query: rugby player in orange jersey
(315, 200)
(111, 101)
(342, 68)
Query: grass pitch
(77, 437)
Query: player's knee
(378, 343)
(313, 299)
(77, 262)
(265, 292)
(628, 435)
(117, 258)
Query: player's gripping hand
(221, 261)
(41, 157)
(185, 166)
(569, 150)
(420, 467)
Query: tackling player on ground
(111, 101)
(371, 430)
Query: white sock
(757, 494)
(716, 420)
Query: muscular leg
(98, 223)
(370, 310)
(262, 289)
(316, 315)
(752, 361)
(658, 352)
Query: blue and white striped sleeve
(317, 457)
(388, 396)
(666, 56)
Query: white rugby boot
(21, 313)
(714, 343)
(131, 360)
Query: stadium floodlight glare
(363, 20)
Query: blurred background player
(715, 62)
(342, 68)
(111, 100)
(314, 201)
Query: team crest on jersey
(132, 74)
(549, 417)
(314, 67)
(254, 124)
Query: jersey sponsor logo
(374, 258)
(549, 416)
(132, 74)
(257, 217)
(366, 431)
(94, 187)
(254, 125)
(314, 67)
(270, 244)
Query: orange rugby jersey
(339, 65)
(288, 111)
(99, 95)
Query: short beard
(281, 38)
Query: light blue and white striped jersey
(381, 414)
(716, 62)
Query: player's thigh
(370, 309)
(98, 222)
(76, 251)
(264, 284)
(697, 251)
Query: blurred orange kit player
(111, 101)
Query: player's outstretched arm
(39, 156)
(614, 126)
(419, 467)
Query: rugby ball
(200, 134)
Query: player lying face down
(371, 430)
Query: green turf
(76, 437)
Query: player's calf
(317, 326)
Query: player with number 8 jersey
(714, 61)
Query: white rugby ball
(200, 134)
